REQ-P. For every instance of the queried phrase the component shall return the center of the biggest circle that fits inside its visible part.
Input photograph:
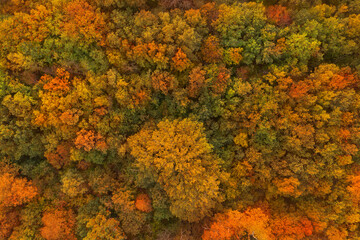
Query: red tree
(278, 15)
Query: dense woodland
(179, 119)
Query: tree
(82, 21)
(196, 82)
(60, 157)
(232, 56)
(163, 81)
(131, 220)
(73, 114)
(88, 140)
(134, 91)
(143, 203)
(149, 54)
(354, 188)
(15, 191)
(8, 221)
(237, 24)
(301, 49)
(104, 228)
(58, 224)
(353, 25)
(211, 51)
(180, 61)
(24, 27)
(334, 233)
(18, 135)
(288, 186)
(288, 227)
(299, 89)
(73, 184)
(278, 15)
(221, 81)
(236, 225)
(177, 156)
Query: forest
(179, 119)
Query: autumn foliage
(143, 203)
(196, 82)
(180, 61)
(58, 224)
(15, 191)
(82, 20)
(236, 225)
(178, 153)
(288, 227)
(163, 81)
(179, 119)
(279, 15)
(211, 50)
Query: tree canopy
(179, 119)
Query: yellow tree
(103, 227)
(177, 156)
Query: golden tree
(177, 156)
